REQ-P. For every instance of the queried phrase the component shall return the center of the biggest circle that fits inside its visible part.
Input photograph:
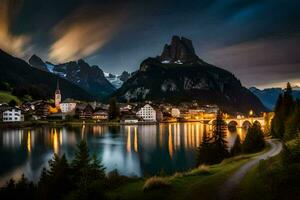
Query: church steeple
(57, 95)
(57, 85)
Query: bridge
(243, 122)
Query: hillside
(36, 83)
(6, 97)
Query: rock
(37, 63)
(180, 51)
(124, 76)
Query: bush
(237, 147)
(155, 183)
(254, 140)
(201, 170)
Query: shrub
(254, 140)
(155, 183)
(201, 170)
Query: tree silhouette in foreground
(214, 150)
(83, 179)
(237, 147)
(254, 140)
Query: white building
(147, 113)
(67, 107)
(12, 115)
(175, 112)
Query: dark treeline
(82, 178)
(215, 149)
(281, 174)
(286, 122)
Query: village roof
(6, 108)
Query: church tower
(57, 96)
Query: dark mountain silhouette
(25, 79)
(89, 78)
(186, 78)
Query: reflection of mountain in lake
(133, 150)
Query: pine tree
(277, 124)
(219, 139)
(97, 169)
(58, 177)
(237, 147)
(82, 157)
(292, 125)
(204, 151)
(113, 110)
(283, 110)
(254, 140)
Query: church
(57, 97)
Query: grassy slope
(252, 182)
(190, 185)
(7, 97)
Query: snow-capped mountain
(90, 78)
(117, 80)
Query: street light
(251, 112)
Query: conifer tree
(219, 139)
(204, 151)
(292, 125)
(237, 147)
(254, 140)
(113, 110)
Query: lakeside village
(70, 110)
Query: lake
(139, 150)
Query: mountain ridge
(89, 78)
(269, 96)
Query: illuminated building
(12, 115)
(57, 98)
(147, 113)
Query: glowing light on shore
(135, 140)
(128, 139)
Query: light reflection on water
(132, 150)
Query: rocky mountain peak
(37, 63)
(124, 76)
(180, 51)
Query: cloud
(261, 62)
(14, 44)
(84, 32)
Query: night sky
(257, 40)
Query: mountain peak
(180, 51)
(37, 63)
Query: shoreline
(41, 123)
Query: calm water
(132, 150)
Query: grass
(252, 187)
(203, 182)
(156, 183)
(6, 97)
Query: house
(84, 111)
(130, 119)
(12, 115)
(68, 106)
(100, 114)
(147, 113)
(175, 112)
(41, 109)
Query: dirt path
(228, 187)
